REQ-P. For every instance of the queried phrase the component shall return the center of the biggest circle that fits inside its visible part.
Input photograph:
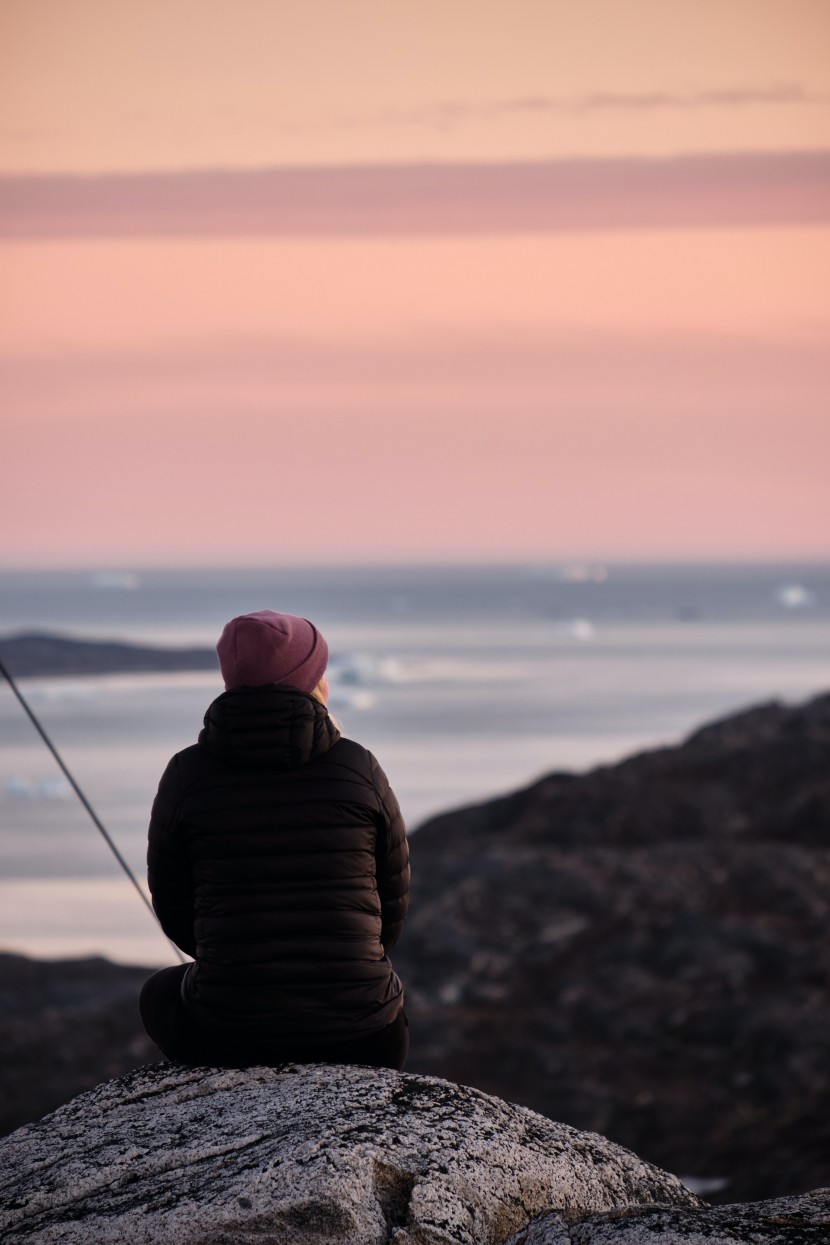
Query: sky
(371, 282)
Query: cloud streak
(699, 191)
(448, 113)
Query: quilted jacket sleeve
(391, 860)
(168, 865)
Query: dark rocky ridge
(640, 951)
(65, 1025)
(41, 654)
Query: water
(464, 681)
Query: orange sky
(622, 359)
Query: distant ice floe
(120, 581)
(580, 629)
(571, 572)
(354, 676)
(585, 573)
(362, 669)
(28, 789)
(341, 699)
(794, 596)
(701, 1185)
(57, 690)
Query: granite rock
(317, 1154)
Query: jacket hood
(272, 727)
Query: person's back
(278, 859)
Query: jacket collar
(275, 727)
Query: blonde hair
(319, 694)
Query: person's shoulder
(350, 753)
(354, 756)
(191, 763)
(193, 754)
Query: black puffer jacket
(278, 860)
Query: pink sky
(507, 302)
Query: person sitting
(277, 859)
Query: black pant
(177, 1035)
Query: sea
(465, 681)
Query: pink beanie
(267, 647)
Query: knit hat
(267, 647)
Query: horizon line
(529, 563)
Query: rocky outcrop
(318, 1155)
(801, 1220)
(642, 951)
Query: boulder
(803, 1220)
(327, 1155)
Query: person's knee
(160, 1004)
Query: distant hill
(32, 654)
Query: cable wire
(79, 793)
